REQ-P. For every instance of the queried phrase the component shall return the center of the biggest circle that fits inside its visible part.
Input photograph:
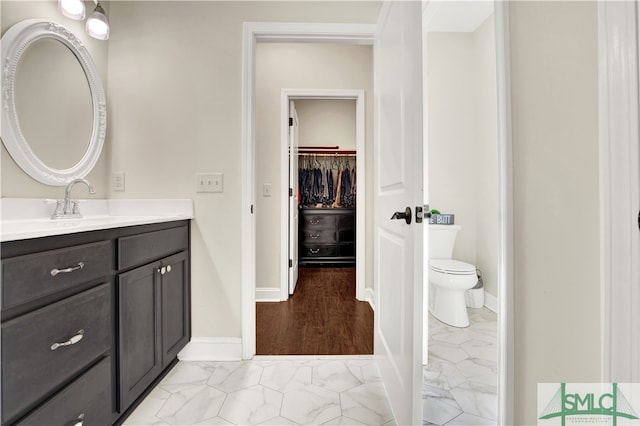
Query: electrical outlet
(209, 182)
(266, 190)
(118, 181)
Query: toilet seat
(452, 267)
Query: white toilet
(449, 279)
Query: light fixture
(73, 9)
(97, 23)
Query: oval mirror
(53, 102)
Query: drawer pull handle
(79, 420)
(314, 251)
(75, 339)
(314, 236)
(57, 271)
(314, 221)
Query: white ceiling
(456, 16)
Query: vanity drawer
(143, 248)
(31, 367)
(319, 236)
(29, 277)
(318, 250)
(88, 399)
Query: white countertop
(23, 218)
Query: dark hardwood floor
(322, 317)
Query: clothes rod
(328, 154)
(318, 148)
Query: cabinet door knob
(168, 268)
(75, 339)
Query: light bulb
(98, 24)
(73, 9)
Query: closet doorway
(320, 309)
(324, 152)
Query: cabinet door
(139, 331)
(175, 306)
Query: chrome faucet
(68, 208)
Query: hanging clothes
(336, 203)
(327, 180)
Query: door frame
(365, 34)
(326, 94)
(252, 33)
(506, 317)
(619, 190)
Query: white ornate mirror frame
(14, 43)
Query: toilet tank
(441, 240)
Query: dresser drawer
(88, 399)
(32, 366)
(318, 250)
(311, 221)
(319, 236)
(143, 248)
(26, 278)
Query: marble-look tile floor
(280, 391)
(460, 380)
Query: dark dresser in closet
(327, 236)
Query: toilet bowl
(449, 279)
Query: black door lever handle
(406, 215)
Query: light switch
(266, 190)
(209, 182)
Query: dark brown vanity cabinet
(327, 236)
(90, 321)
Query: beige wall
(16, 183)
(328, 122)
(555, 165)
(463, 153)
(302, 66)
(175, 96)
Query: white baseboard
(268, 294)
(490, 302)
(212, 349)
(369, 296)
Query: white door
(293, 197)
(398, 181)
